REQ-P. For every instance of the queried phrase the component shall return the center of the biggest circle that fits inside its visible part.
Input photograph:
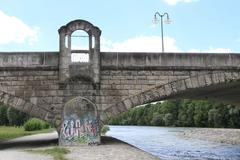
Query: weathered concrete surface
(28, 59)
(169, 61)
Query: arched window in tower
(80, 46)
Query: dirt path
(18, 154)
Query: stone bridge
(41, 83)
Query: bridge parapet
(19, 60)
(169, 61)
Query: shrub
(104, 129)
(45, 125)
(34, 124)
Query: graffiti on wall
(83, 130)
(80, 123)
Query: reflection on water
(164, 143)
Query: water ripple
(166, 144)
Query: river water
(165, 143)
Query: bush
(46, 125)
(104, 129)
(34, 124)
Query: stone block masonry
(41, 83)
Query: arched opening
(66, 42)
(80, 46)
(217, 87)
(81, 52)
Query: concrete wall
(125, 60)
(168, 61)
(28, 59)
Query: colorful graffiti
(81, 130)
(80, 123)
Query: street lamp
(167, 21)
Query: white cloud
(13, 30)
(174, 2)
(141, 44)
(152, 44)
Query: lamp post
(167, 21)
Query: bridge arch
(181, 88)
(27, 107)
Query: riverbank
(228, 136)
(110, 149)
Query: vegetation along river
(167, 144)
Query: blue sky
(198, 25)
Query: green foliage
(3, 116)
(105, 129)
(185, 113)
(34, 124)
(15, 117)
(157, 119)
(234, 117)
(168, 119)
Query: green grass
(58, 153)
(7, 133)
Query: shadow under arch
(191, 87)
(27, 107)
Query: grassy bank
(7, 133)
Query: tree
(168, 119)
(201, 113)
(3, 115)
(15, 117)
(211, 115)
(234, 120)
(157, 120)
(187, 113)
